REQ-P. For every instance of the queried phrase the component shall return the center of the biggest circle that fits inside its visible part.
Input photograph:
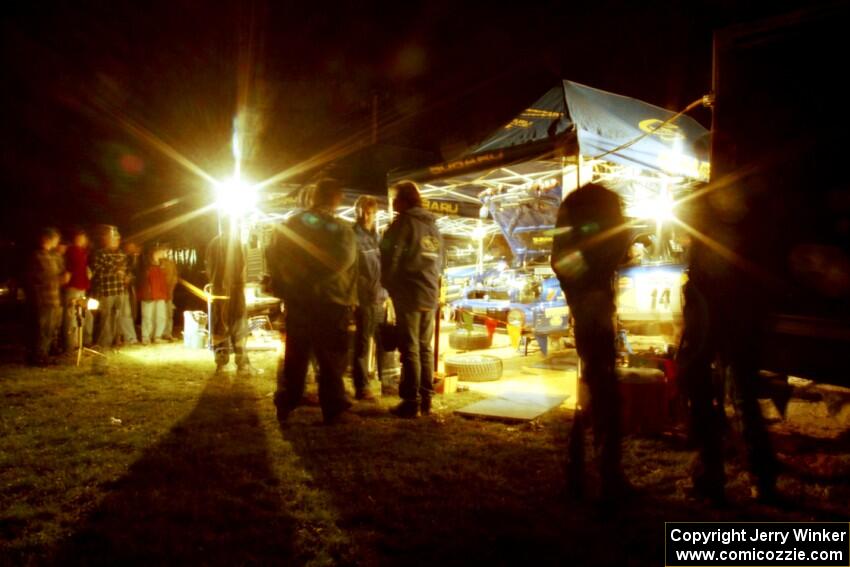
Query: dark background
(90, 86)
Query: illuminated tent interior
(570, 136)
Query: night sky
(89, 87)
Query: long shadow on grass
(206, 494)
(466, 492)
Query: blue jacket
(411, 260)
(369, 289)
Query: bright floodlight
(660, 208)
(478, 233)
(235, 196)
(92, 304)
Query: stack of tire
(474, 367)
(476, 339)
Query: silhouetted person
(313, 262)
(227, 272)
(371, 296)
(46, 275)
(724, 312)
(411, 259)
(587, 249)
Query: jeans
(126, 321)
(70, 326)
(153, 320)
(320, 329)
(366, 319)
(416, 332)
(107, 319)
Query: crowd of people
(127, 283)
(331, 276)
(334, 277)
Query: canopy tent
(571, 135)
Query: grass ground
(159, 461)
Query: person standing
(169, 268)
(314, 267)
(371, 296)
(129, 302)
(227, 271)
(725, 311)
(411, 259)
(46, 275)
(108, 282)
(77, 264)
(588, 247)
(153, 293)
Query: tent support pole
(578, 170)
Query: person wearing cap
(411, 260)
(313, 262)
(108, 281)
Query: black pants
(723, 323)
(593, 325)
(366, 319)
(415, 332)
(320, 329)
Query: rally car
(649, 287)
(530, 300)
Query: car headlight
(4, 290)
(516, 317)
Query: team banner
(814, 544)
(608, 123)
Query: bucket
(194, 329)
(199, 340)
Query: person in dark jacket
(589, 245)
(313, 264)
(725, 311)
(227, 272)
(46, 275)
(371, 296)
(411, 257)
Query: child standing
(153, 294)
